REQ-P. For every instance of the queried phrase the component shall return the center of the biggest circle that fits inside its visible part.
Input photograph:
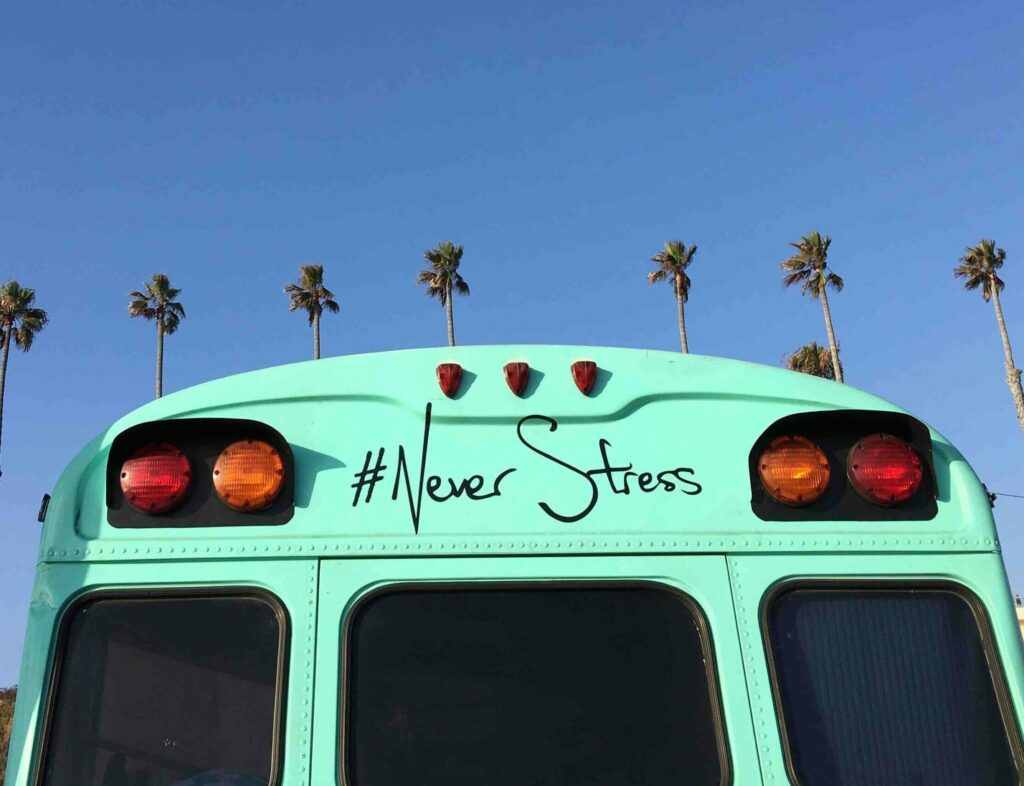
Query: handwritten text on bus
(608, 475)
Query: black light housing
(198, 442)
(837, 432)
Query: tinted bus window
(888, 687)
(162, 691)
(580, 687)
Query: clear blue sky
(562, 143)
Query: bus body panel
(656, 459)
(396, 484)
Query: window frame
(1000, 686)
(75, 604)
(698, 616)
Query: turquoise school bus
(519, 565)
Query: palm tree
(7, 700)
(809, 268)
(442, 279)
(313, 297)
(812, 359)
(978, 267)
(156, 301)
(20, 320)
(672, 263)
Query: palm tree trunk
(679, 309)
(451, 318)
(1012, 372)
(3, 371)
(159, 355)
(316, 336)
(833, 347)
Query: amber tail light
(794, 470)
(248, 475)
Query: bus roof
(655, 458)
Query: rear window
(888, 687)
(166, 691)
(586, 686)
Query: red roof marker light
(517, 375)
(584, 374)
(449, 377)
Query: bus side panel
(34, 667)
(753, 577)
(292, 582)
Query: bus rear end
(519, 565)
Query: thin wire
(1015, 496)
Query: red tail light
(884, 469)
(157, 478)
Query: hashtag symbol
(368, 478)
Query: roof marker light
(449, 377)
(517, 375)
(584, 374)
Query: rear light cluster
(248, 476)
(882, 468)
